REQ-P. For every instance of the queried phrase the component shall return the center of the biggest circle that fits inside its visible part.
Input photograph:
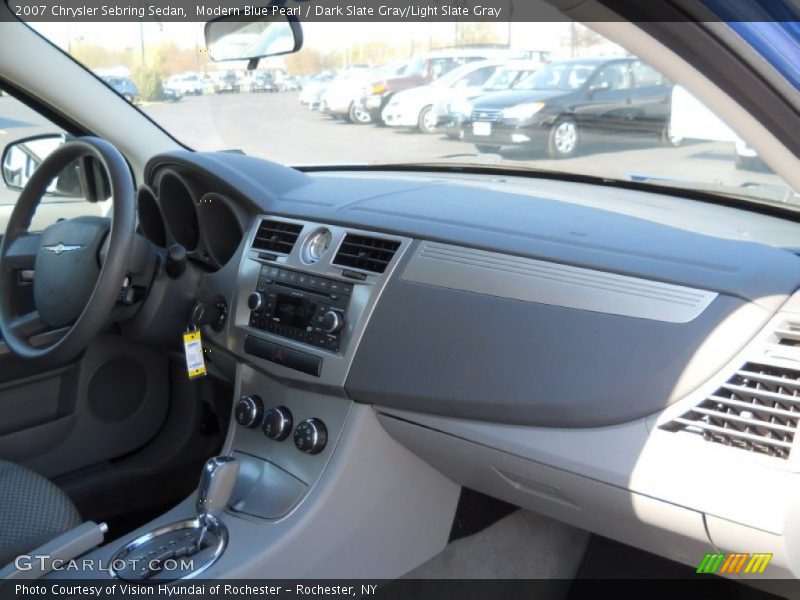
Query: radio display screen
(294, 312)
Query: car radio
(299, 306)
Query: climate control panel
(277, 423)
(299, 306)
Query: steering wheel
(79, 263)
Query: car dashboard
(625, 361)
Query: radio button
(332, 321)
(255, 301)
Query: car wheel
(673, 141)
(357, 115)
(564, 139)
(427, 120)
(487, 148)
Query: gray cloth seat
(33, 511)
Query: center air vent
(276, 236)
(756, 410)
(366, 253)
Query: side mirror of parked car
(600, 86)
(84, 178)
(233, 38)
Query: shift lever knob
(216, 484)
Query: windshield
(630, 124)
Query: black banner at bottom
(703, 587)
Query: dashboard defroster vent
(756, 410)
(276, 236)
(366, 253)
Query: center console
(305, 292)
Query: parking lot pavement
(277, 127)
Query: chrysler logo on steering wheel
(59, 248)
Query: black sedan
(555, 106)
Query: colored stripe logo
(733, 564)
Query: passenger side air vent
(756, 410)
(789, 335)
(276, 236)
(367, 253)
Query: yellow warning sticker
(193, 348)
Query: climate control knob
(255, 301)
(277, 424)
(248, 411)
(332, 321)
(311, 436)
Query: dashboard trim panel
(530, 280)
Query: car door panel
(652, 98)
(107, 403)
(110, 403)
(606, 109)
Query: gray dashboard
(609, 304)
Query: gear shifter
(202, 539)
(216, 485)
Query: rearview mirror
(231, 38)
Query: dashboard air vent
(276, 236)
(366, 253)
(789, 335)
(756, 410)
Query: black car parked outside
(555, 106)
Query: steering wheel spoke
(21, 253)
(28, 325)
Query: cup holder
(180, 550)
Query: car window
(644, 75)
(557, 76)
(18, 124)
(479, 76)
(613, 77)
(502, 79)
(440, 66)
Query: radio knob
(332, 321)
(248, 411)
(311, 436)
(255, 301)
(277, 423)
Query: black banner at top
(498, 11)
